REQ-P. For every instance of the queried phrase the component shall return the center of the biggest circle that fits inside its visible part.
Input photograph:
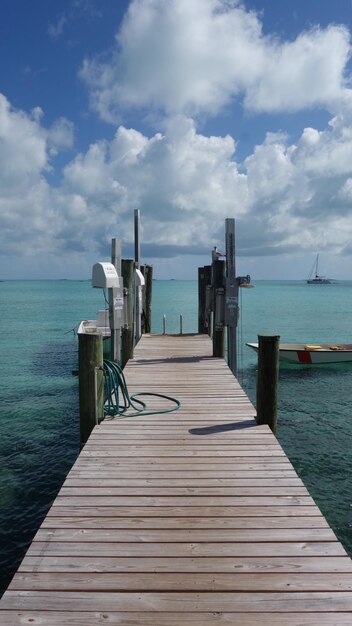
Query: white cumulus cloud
(28, 217)
(284, 196)
(196, 56)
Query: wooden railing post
(127, 336)
(267, 380)
(91, 382)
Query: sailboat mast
(316, 266)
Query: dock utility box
(104, 276)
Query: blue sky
(192, 111)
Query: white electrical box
(104, 276)
(140, 282)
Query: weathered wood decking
(195, 517)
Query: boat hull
(304, 354)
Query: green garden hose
(117, 400)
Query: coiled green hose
(117, 400)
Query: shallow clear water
(39, 422)
(314, 412)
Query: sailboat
(314, 278)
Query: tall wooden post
(147, 271)
(267, 380)
(116, 303)
(127, 338)
(231, 295)
(218, 282)
(208, 299)
(202, 326)
(91, 382)
(205, 304)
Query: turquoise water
(314, 413)
(39, 429)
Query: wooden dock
(194, 517)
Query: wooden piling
(208, 300)
(91, 382)
(204, 311)
(218, 282)
(115, 294)
(267, 380)
(147, 271)
(202, 327)
(231, 289)
(127, 335)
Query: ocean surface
(39, 419)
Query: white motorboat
(312, 354)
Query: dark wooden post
(91, 382)
(202, 326)
(267, 380)
(218, 282)
(205, 303)
(147, 271)
(127, 336)
(208, 299)
(231, 315)
(115, 294)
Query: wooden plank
(205, 582)
(99, 564)
(230, 428)
(181, 602)
(160, 618)
(175, 464)
(138, 549)
(286, 511)
(181, 535)
(255, 501)
(106, 481)
(184, 522)
(173, 441)
(119, 474)
(173, 452)
(173, 490)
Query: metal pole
(137, 259)
(164, 324)
(137, 238)
(181, 324)
(231, 295)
